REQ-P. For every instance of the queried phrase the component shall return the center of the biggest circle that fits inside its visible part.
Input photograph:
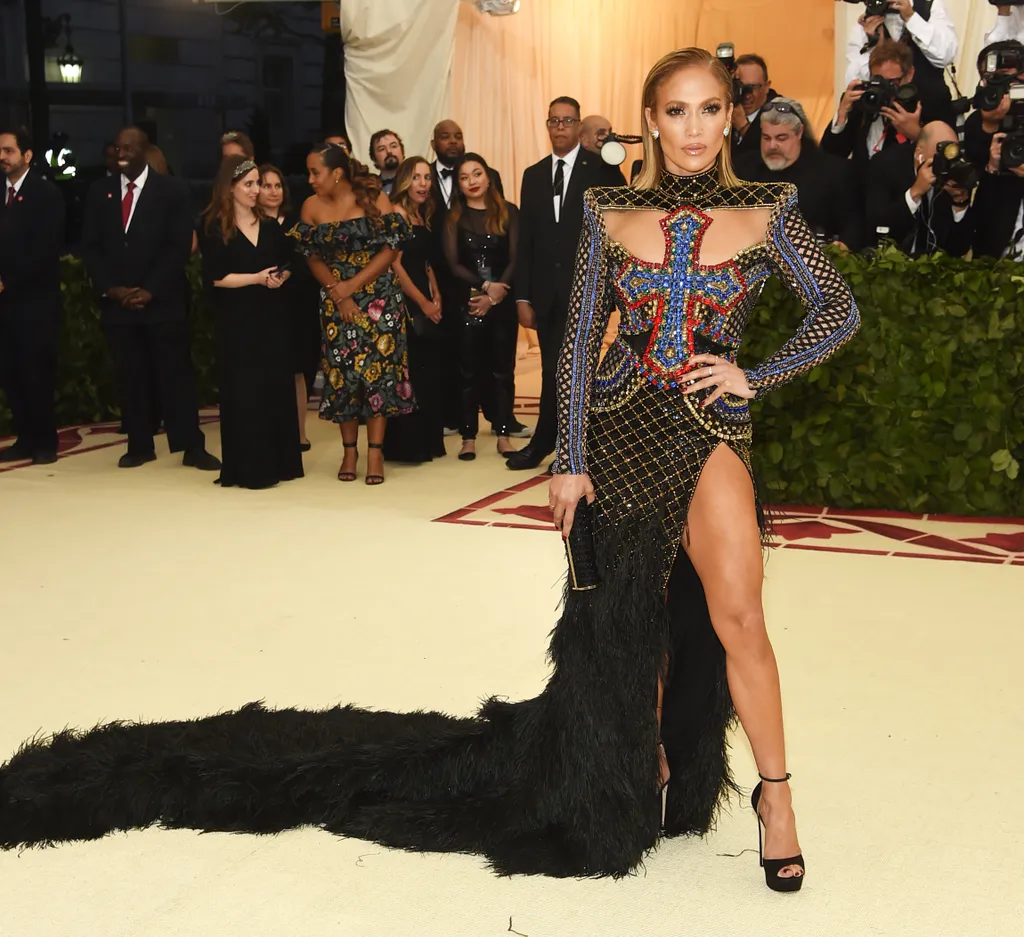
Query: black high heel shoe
(772, 867)
(344, 476)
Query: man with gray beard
(788, 153)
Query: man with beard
(828, 196)
(31, 237)
(387, 153)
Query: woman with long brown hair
(662, 636)
(351, 236)
(480, 238)
(244, 257)
(419, 436)
(301, 296)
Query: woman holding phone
(245, 264)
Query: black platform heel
(374, 479)
(772, 867)
(347, 476)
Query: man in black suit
(752, 73)
(136, 243)
(31, 237)
(593, 132)
(550, 221)
(450, 146)
(922, 214)
(998, 210)
(828, 196)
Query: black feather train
(563, 784)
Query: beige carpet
(152, 594)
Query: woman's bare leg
(724, 545)
(375, 426)
(301, 399)
(349, 434)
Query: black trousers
(550, 332)
(28, 367)
(156, 353)
(449, 354)
(485, 363)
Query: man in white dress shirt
(1009, 24)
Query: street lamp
(70, 66)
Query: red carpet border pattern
(874, 533)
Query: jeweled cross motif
(679, 287)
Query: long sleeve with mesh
(832, 317)
(590, 306)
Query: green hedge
(923, 411)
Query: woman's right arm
(585, 327)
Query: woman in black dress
(301, 297)
(243, 252)
(418, 436)
(480, 247)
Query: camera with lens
(876, 7)
(882, 92)
(989, 96)
(726, 54)
(1013, 127)
(950, 165)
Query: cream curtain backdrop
(973, 18)
(398, 62)
(508, 68)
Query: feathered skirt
(564, 784)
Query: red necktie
(10, 197)
(126, 205)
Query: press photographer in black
(922, 193)
(752, 89)
(925, 28)
(884, 111)
(788, 153)
(998, 212)
(1000, 65)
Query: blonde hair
(665, 68)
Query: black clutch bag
(580, 549)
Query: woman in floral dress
(350, 236)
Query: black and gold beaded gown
(563, 784)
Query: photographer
(998, 211)
(1009, 24)
(921, 193)
(999, 64)
(750, 74)
(870, 117)
(788, 153)
(926, 29)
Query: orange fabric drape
(507, 68)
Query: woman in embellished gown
(351, 237)
(567, 783)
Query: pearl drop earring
(655, 133)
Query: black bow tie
(447, 173)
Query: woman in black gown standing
(301, 296)
(480, 246)
(418, 436)
(243, 252)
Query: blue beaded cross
(679, 287)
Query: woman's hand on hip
(564, 493)
(721, 374)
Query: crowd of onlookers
(403, 287)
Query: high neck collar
(695, 188)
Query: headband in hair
(242, 169)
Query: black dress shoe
(45, 458)
(134, 460)
(305, 446)
(527, 458)
(15, 453)
(202, 460)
